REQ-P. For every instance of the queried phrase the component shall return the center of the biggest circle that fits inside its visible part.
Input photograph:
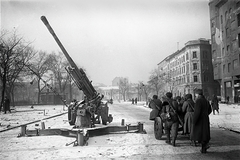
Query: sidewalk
(228, 117)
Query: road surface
(224, 144)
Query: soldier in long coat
(188, 109)
(156, 106)
(201, 123)
(171, 107)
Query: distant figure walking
(132, 100)
(7, 105)
(136, 101)
(214, 104)
(227, 99)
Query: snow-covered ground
(228, 117)
(120, 146)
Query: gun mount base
(82, 134)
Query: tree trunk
(3, 89)
(12, 96)
(39, 91)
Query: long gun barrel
(77, 74)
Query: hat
(169, 94)
(199, 91)
(188, 96)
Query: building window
(212, 23)
(239, 40)
(187, 68)
(238, 18)
(188, 79)
(223, 51)
(221, 19)
(187, 56)
(228, 48)
(226, 16)
(235, 64)
(195, 78)
(228, 84)
(194, 66)
(213, 53)
(224, 68)
(227, 32)
(194, 54)
(229, 67)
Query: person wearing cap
(201, 123)
(171, 108)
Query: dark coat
(156, 106)
(201, 124)
(214, 103)
(188, 109)
(172, 109)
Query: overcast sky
(110, 38)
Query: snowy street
(225, 144)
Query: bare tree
(146, 90)
(15, 54)
(58, 69)
(124, 87)
(40, 66)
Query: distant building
(225, 35)
(116, 81)
(110, 92)
(189, 69)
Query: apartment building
(189, 69)
(225, 35)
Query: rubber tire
(71, 117)
(104, 114)
(158, 128)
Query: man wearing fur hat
(201, 123)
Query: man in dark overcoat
(201, 123)
(171, 108)
(156, 106)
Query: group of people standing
(134, 100)
(192, 115)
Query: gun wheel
(158, 128)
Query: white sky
(110, 38)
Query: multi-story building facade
(189, 69)
(225, 35)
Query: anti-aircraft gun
(90, 110)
